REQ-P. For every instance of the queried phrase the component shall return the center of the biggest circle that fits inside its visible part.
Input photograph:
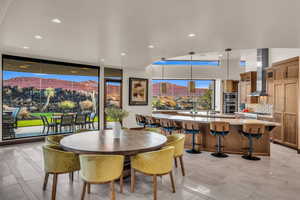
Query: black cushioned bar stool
(252, 130)
(194, 129)
(219, 129)
(140, 120)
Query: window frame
(168, 79)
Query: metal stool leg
(193, 150)
(250, 151)
(219, 153)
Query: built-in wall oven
(230, 102)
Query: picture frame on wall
(138, 91)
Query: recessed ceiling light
(220, 55)
(25, 47)
(55, 20)
(102, 60)
(151, 46)
(123, 54)
(192, 35)
(38, 37)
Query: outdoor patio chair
(48, 125)
(90, 120)
(80, 120)
(8, 126)
(15, 114)
(66, 121)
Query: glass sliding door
(112, 92)
(39, 96)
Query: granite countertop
(204, 114)
(207, 120)
(258, 115)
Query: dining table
(105, 142)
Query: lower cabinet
(290, 124)
(277, 133)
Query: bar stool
(151, 122)
(192, 128)
(252, 130)
(219, 129)
(167, 126)
(140, 120)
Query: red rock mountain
(43, 83)
(176, 90)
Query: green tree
(205, 100)
(49, 93)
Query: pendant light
(191, 83)
(163, 85)
(227, 62)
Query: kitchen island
(234, 142)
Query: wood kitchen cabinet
(230, 86)
(283, 91)
(247, 86)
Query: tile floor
(208, 178)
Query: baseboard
(22, 140)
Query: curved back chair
(54, 139)
(177, 141)
(252, 130)
(218, 129)
(193, 128)
(98, 169)
(57, 161)
(155, 163)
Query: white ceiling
(101, 29)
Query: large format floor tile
(208, 178)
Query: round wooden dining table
(131, 142)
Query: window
(36, 93)
(177, 96)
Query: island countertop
(234, 142)
(207, 120)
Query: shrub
(66, 105)
(116, 114)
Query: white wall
(130, 122)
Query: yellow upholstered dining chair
(57, 161)
(97, 169)
(54, 139)
(155, 163)
(177, 141)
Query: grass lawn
(38, 122)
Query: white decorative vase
(116, 127)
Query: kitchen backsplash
(261, 108)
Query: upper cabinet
(230, 86)
(247, 86)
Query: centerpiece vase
(116, 127)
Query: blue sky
(194, 62)
(75, 78)
(199, 83)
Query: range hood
(262, 64)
